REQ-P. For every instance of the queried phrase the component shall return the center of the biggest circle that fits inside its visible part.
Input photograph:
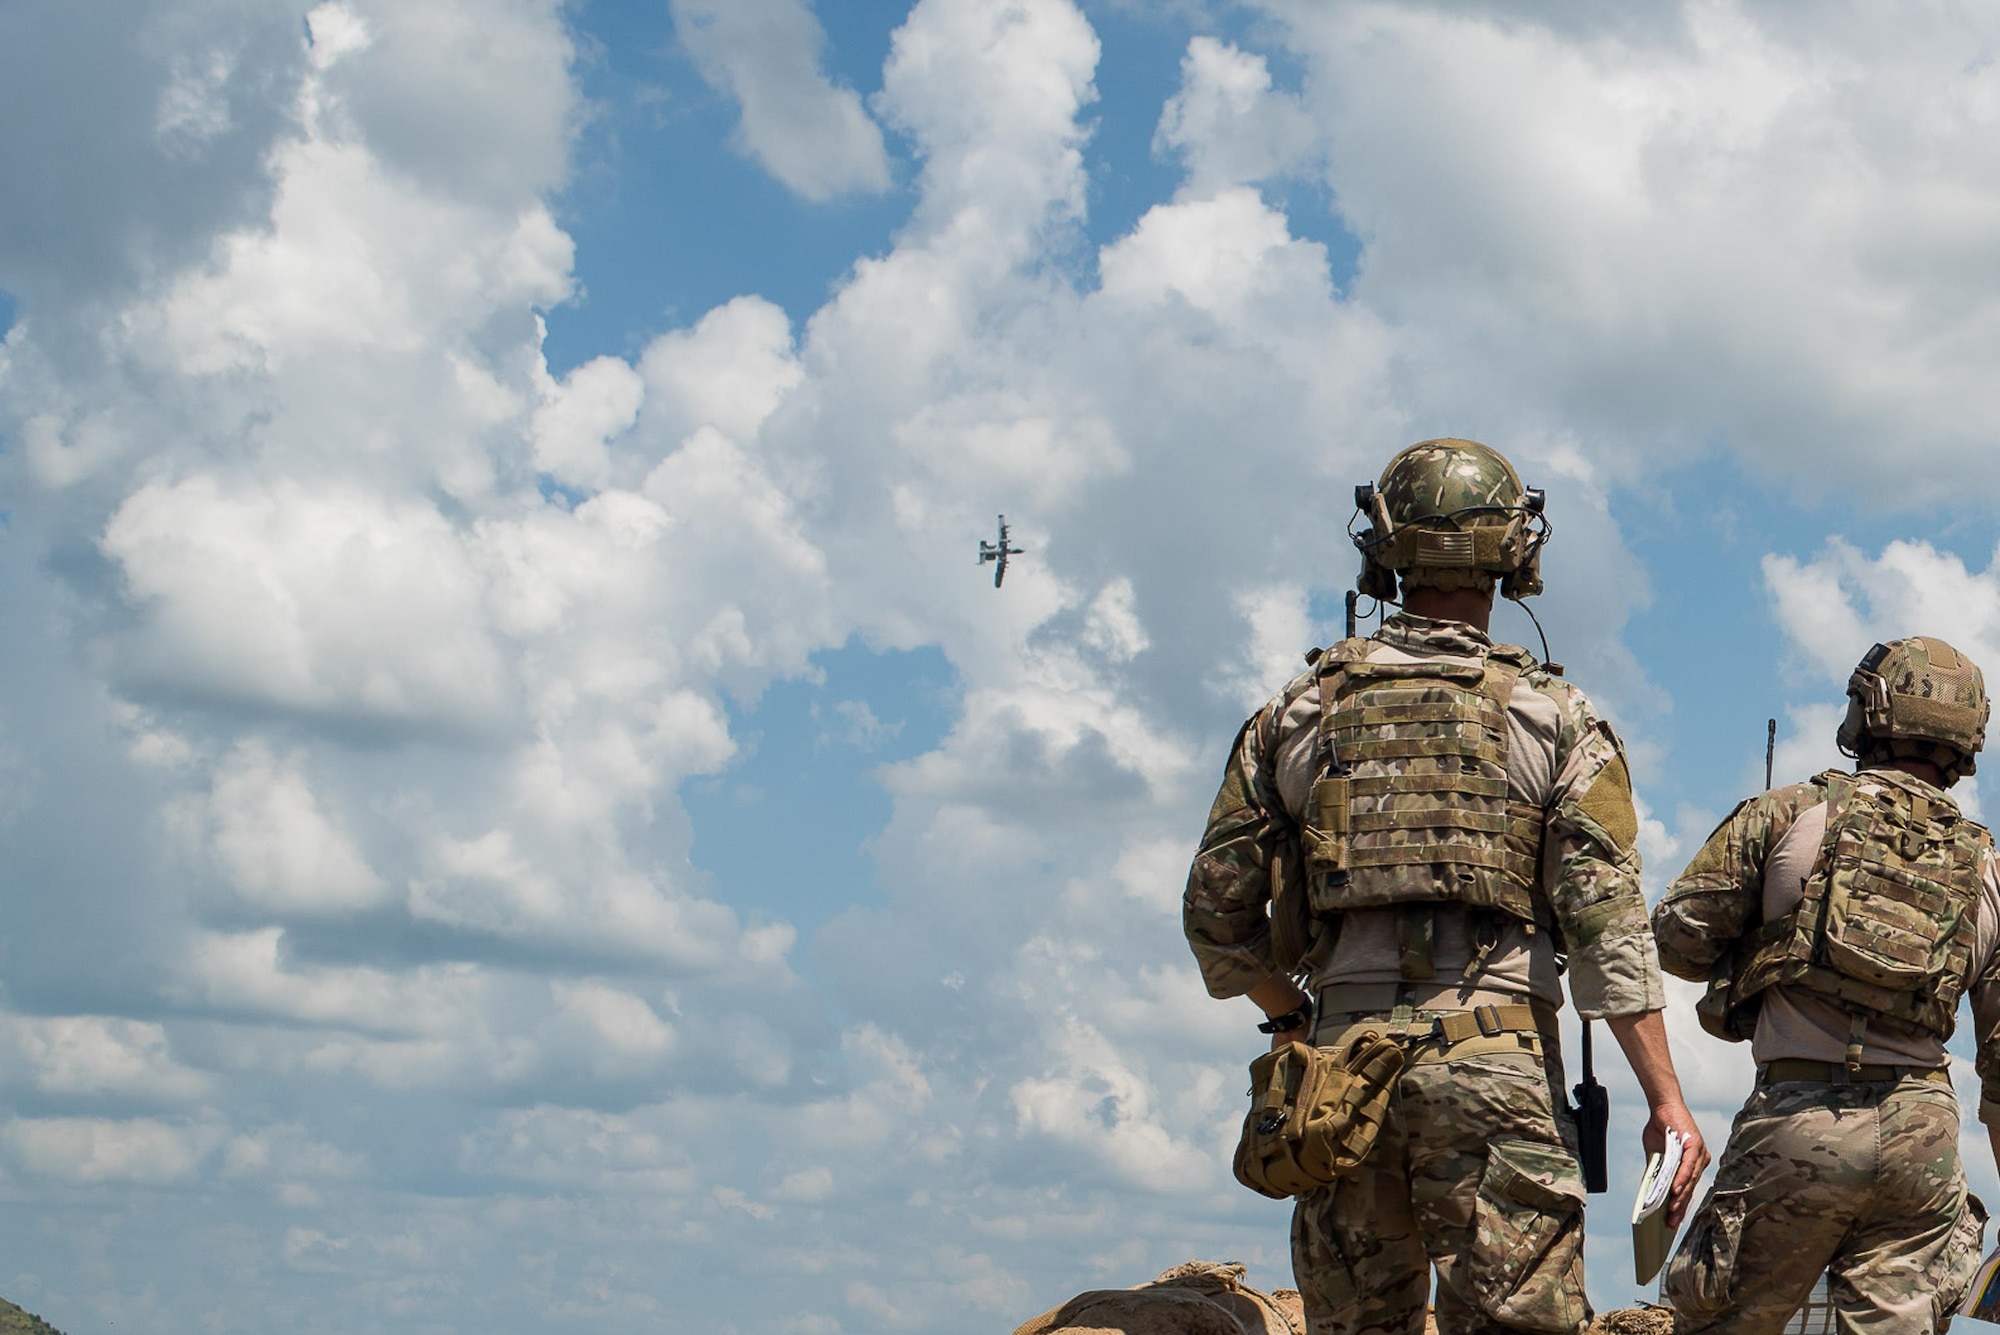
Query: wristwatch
(1290, 1020)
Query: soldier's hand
(1675, 1116)
(1298, 1035)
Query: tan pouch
(1315, 1113)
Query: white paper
(1659, 1179)
(1650, 1235)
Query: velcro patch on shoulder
(1609, 803)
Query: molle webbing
(1885, 927)
(1419, 812)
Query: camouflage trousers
(1858, 1182)
(1476, 1174)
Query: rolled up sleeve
(1224, 909)
(1985, 991)
(1719, 897)
(1592, 850)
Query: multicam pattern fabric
(1475, 1170)
(1448, 514)
(1861, 1182)
(1708, 921)
(1574, 777)
(1918, 699)
(1719, 898)
(1420, 812)
(1441, 477)
(1476, 1173)
(1885, 926)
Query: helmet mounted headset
(1449, 514)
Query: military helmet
(1917, 699)
(1450, 514)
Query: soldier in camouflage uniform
(1837, 922)
(1421, 826)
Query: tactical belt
(1435, 1036)
(1839, 1073)
(1421, 995)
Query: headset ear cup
(1880, 711)
(1524, 580)
(1378, 515)
(1848, 736)
(1377, 581)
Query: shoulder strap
(1840, 791)
(1498, 685)
(1343, 652)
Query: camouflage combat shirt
(1559, 750)
(1753, 870)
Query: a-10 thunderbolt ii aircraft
(998, 552)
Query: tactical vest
(1412, 806)
(1886, 925)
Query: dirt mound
(1634, 1321)
(1197, 1298)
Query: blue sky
(523, 808)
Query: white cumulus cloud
(807, 131)
(368, 665)
(1229, 123)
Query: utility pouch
(1315, 1113)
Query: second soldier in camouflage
(1837, 922)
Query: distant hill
(13, 1321)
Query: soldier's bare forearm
(1643, 1038)
(1644, 1041)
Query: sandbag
(1195, 1298)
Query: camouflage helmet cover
(1917, 699)
(1451, 514)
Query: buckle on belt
(1487, 1017)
